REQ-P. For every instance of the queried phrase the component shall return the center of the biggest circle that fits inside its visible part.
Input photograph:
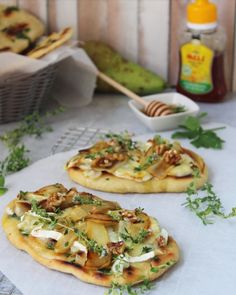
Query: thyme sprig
(3, 189)
(17, 159)
(118, 289)
(162, 266)
(134, 239)
(124, 139)
(205, 203)
(83, 200)
(52, 221)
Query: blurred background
(144, 31)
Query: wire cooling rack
(6, 287)
(77, 137)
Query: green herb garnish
(146, 249)
(117, 289)
(123, 139)
(52, 221)
(205, 203)
(50, 245)
(159, 140)
(137, 239)
(178, 108)
(32, 125)
(200, 137)
(15, 161)
(86, 200)
(162, 266)
(115, 215)
(148, 162)
(3, 189)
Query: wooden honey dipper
(152, 109)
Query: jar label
(196, 68)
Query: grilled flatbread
(18, 29)
(122, 165)
(50, 43)
(95, 240)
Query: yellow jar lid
(201, 12)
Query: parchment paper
(208, 253)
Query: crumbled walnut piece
(108, 161)
(161, 242)
(161, 149)
(129, 216)
(53, 202)
(116, 248)
(172, 157)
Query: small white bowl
(166, 122)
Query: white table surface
(110, 112)
(107, 112)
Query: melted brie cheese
(77, 247)
(185, 167)
(46, 234)
(128, 171)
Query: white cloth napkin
(75, 79)
(208, 253)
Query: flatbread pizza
(18, 29)
(50, 43)
(122, 165)
(95, 240)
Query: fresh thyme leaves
(138, 210)
(137, 239)
(200, 137)
(39, 210)
(117, 289)
(3, 189)
(178, 108)
(31, 125)
(148, 162)
(159, 140)
(123, 139)
(146, 249)
(50, 245)
(115, 214)
(205, 203)
(91, 244)
(15, 161)
(52, 221)
(86, 200)
(162, 266)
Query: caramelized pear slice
(97, 262)
(65, 242)
(74, 213)
(97, 232)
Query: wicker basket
(20, 96)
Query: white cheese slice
(77, 247)
(119, 265)
(9, 211)
(46, 234)
(185, 167)
(141, 258)
(113, 236)
(91, 173)
(144, 146)
(86, 164)
(123, 261)
(164, 234)
(128, 171)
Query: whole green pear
(131, 75)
